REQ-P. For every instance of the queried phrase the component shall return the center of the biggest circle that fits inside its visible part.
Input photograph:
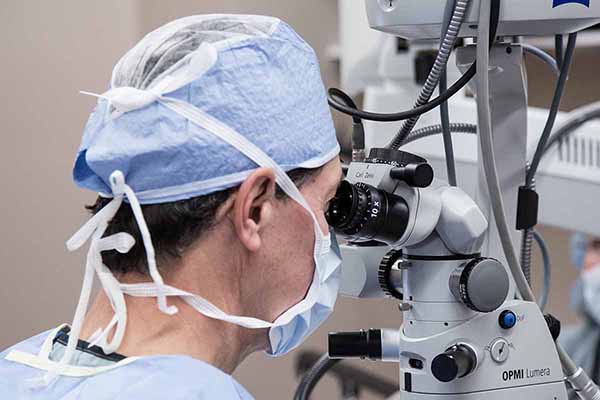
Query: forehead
(330, 176)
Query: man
(215, 158)
(582, 342)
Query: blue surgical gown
(173, 377)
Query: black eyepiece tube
(360, 212)
(360, 344)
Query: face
(286, 256)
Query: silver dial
(388, 5)
(499, 350)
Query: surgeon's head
(202, 116)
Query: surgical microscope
(471, 327)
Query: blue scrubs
(171, 377)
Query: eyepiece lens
(341, 207)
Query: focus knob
(456, 362)
(385, 274)
(482, 284)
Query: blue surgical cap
(253, 73)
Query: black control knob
(456, 362)
(415, 175)
(481, 284)
(385, 274)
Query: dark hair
(174, 226)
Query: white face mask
(591, 293)
(287, 332)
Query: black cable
(401, 136)
(569, 128)
(358, 130)
(313, 376)
(555, 106)
(363, 379)
(335, 92)
(447, 133)
(401, 116)
(547, 261)
(558, 50)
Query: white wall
(49, 50)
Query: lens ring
(351, 209)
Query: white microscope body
(465, 335)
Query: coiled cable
(446, 47)
(455, 127)
(403, 115)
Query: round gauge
(388, 5)
(499, 350)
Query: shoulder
(178, 377)
(13, 375)
(155, 377)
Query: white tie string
(84, 298)
(126, 99)
(117, 181)
(122, 242)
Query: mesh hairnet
(264, 82)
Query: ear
(253, 207)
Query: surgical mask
(591, 292)
(287, 332)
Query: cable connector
(358, 142)
(527, 208)
(585, 388)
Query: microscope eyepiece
(361, 212)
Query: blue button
(507, 319)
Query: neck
(150, 332)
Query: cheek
(291, 245)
